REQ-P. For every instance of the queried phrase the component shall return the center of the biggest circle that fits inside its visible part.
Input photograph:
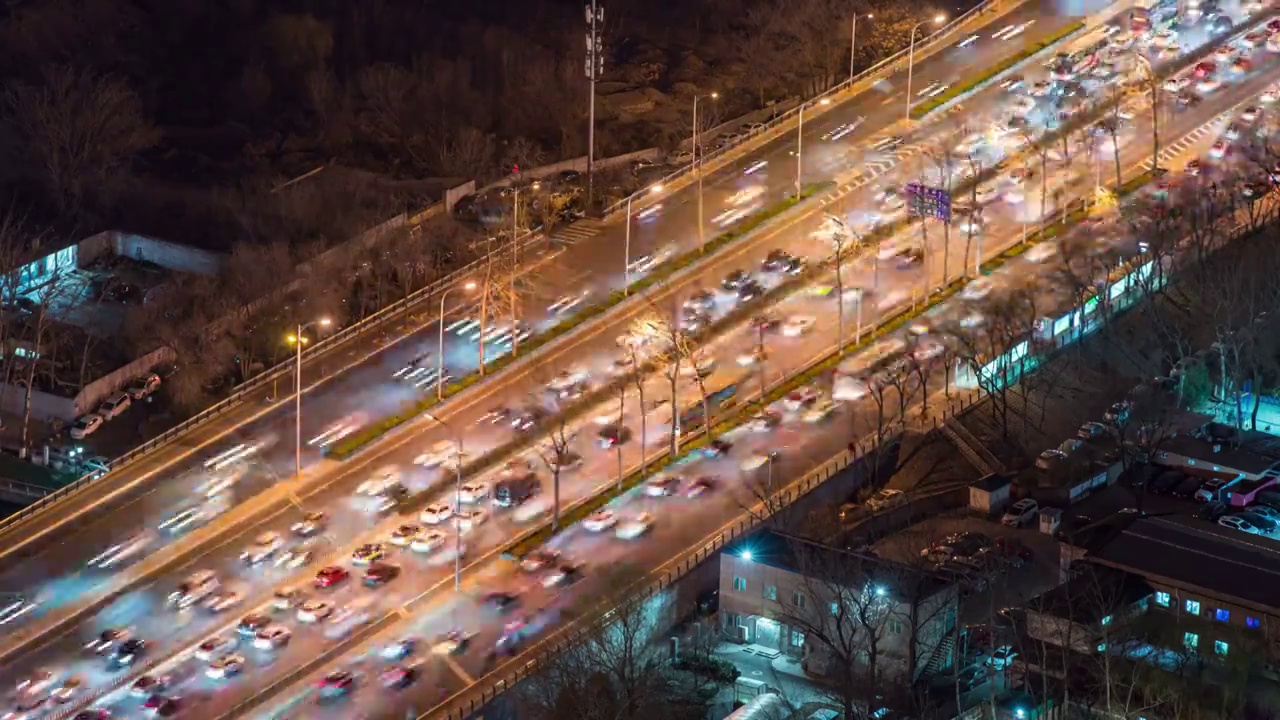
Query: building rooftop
(1249, 452)
(808, 558)
(1185, 553)
(1092, 593)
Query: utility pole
(593, 67)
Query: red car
(339, 682)
(1274, 26)
(330, 576)
(1205, 68)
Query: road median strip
(923, 109)
(358, 441)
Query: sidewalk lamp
(911, 54)
(298, 340)
(853, 42)
(697, 163)
(468, 287)
(626, 253)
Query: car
(105, 642)
(336, 684)
(312, 523)
(600, 520)
(1269, 96)
(977, 289)
(143, 387)
(752, 357)
(86, 425)
(735, 279)
(801, 398)
(331, 575)
(223, 601)
(313, 611)
(428, 541)
(758, 460)
(1210, 490)
(1050, 458)
(611, 435)
(1249, 115)
(272, 637)
(198, 586)
(294, 558)
(436, 513)
(263, 547)
(1235, 522)
(383, 479)
(225, 667)
(1241, 65)
(253, 622)
(819, 412)
(473, 492)
(287, 598)
(1021, 513)
(129, 651)
(798, 325)
(115, 405)
(404, 535)
(1225, 53)
(92, 714)
(539, 559)
(500, 601)
(468, 520)
(1265, 511)
(885, 499)
(1254, 39)
(214, 646)
(67, 691)
(717, 448)
(634, 527)
(398, 677)
(1118, 413)
(750, 291)
(764, 422)
(777, 260)
(1193, 167)
(148, 685)
(1002, 657)
(1091, 430)
(1265, 525)
(1177, 83)
(1220, 149)
(380, 574)
(700, 486)
(437, 454)
(1012, 83)
(1208, 85)
(162, 706)
(368, 553)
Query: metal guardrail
(285, 368)
(883, 67)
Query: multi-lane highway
(350, 521)
(55, 573)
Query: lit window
(798, 599)
(1190, 640)
(1162, 599)
(1252, 622)
(797, 639)
(1222, 615)
(895, 627)
(1106, 620)
(1220, 647)
(771, 592)
(1102, 647)
(835, 608)
(740, 584)
(1192, 606)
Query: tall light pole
(853, 43)
(471, 285)
(800, 146)
(457, 501)
(911, 54)
(626, 252)
(593, 66)
(1155, 110)
(298, 340)
(697, 166)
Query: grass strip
(357, 441)
(933, 103)
(743, 411)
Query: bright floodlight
(471, 285)
(940, 19)
(746, 555)
(325, 322)
(655, 188)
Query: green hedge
(928, 106)
(357, 441)
(742, 413)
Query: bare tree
(557, 456)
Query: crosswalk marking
(578, 231)
(497, 332)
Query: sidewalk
(773, 668)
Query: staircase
(941, 658)
(966, 449)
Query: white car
(85, 426)
(886, 499)
(114, 405)
(468, 520)
(1235, 522)
(287, 598)
(1269, 96)
(436, 513)
(977, 289)
(437, 454)
(194, 589)
(272, 637)
(661, 485)
(634, 527)
(1021, 513)
(600, 521)
(1177, 83)
(312, 523)
(404, 535)
(263, 547)
(293, 558)
(314, 611)
(223, 601)
(819, 412)
(428, 541)
(381, 480)
(1208, 85)
(215, 646)
(752, 357)
(1040, 252)
(473, 492)
(225, 667)
(798, 325)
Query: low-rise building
(828, 606)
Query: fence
(875, 72)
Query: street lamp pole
(626, 252)
(298, 341)
(457, 501)
(911, 56)
(440, 343)
(853, 43)
(800, 147)
(697, 169)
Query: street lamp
(457, 501)
(469, 286)
(697, 165)
(800, 145)
(911, 54)
(853, 43)
(298, 340)
(626, 253)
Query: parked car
(1165, 482)
(1265, 525)
(1049, 459)
(886, 499)
(1118, 413)
(85, 426)
(1235, 522)
(1091, 430)
(143, 387)
(1210, 490)
(114, 405)
(1187, 488)
(1212, 511)
(1022, 512)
